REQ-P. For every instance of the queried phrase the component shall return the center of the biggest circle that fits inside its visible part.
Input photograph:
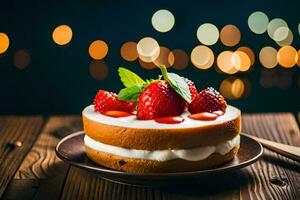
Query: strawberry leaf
(129, 78)
(177, 83)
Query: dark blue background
(58, 80)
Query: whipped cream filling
(231, 113)
(193, 154)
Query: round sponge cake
(142, 146)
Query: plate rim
(101, 170)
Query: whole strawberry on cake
(160, 125)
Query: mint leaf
(129, 78)
(177, 83)
(180, 86)
(130, 93)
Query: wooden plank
(41, 165)
(80, 184)
(17, 134)
(274, 176)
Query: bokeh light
(181, 59)
(267, 78)
(278, 25)
(22, 58)
(230, 35)
(148, 49)
(4, 42)
(98, 69)
(283, 79)
(287, 56)
(165, 57)
(298, 61)
(129, 52)
(225, 62)
(268, 57)
(287, 41)
(232, 88)
(163, 20)
(249, 52)
(98, 49)
(147, 65)
(281, 34)
(208, 34)
(258, 22)
(62, 34)
(241, 61)
(202, 57)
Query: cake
(160, 129)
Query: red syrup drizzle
(169, 120)
(206, 116)
(117, 113)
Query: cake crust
(159, 139)
(133, 165)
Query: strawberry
(105, 101)
(208, 100)
(192, 88)
(159, 99)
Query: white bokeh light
(163, 20)
(208, 34)
(258, 22)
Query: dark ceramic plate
(71, 150)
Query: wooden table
(29, 168)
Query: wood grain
(14, 129)
(83, 185)
(274, 176)
(41, 164)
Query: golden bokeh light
(129, 52)
(98, 49)
(62, 34)
(147, 65)
(241, 61)
(22, 58)
(268, 57)
(98, 69)
(226, 63)
(232, 88)
(230, 35)
(275, 25)
(287, 56)
(208, 34)
(181, 59)
(287, 41)
(249, 52)
(165, 57)
(202, 57)
(163, 20)
(4, 42)
(148, 49)
(298, 61)
(258, 22)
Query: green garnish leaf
(177, 83)
(131, 93)
(129, 78)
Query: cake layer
(130, 133)
(147, 166)
(193, 154)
